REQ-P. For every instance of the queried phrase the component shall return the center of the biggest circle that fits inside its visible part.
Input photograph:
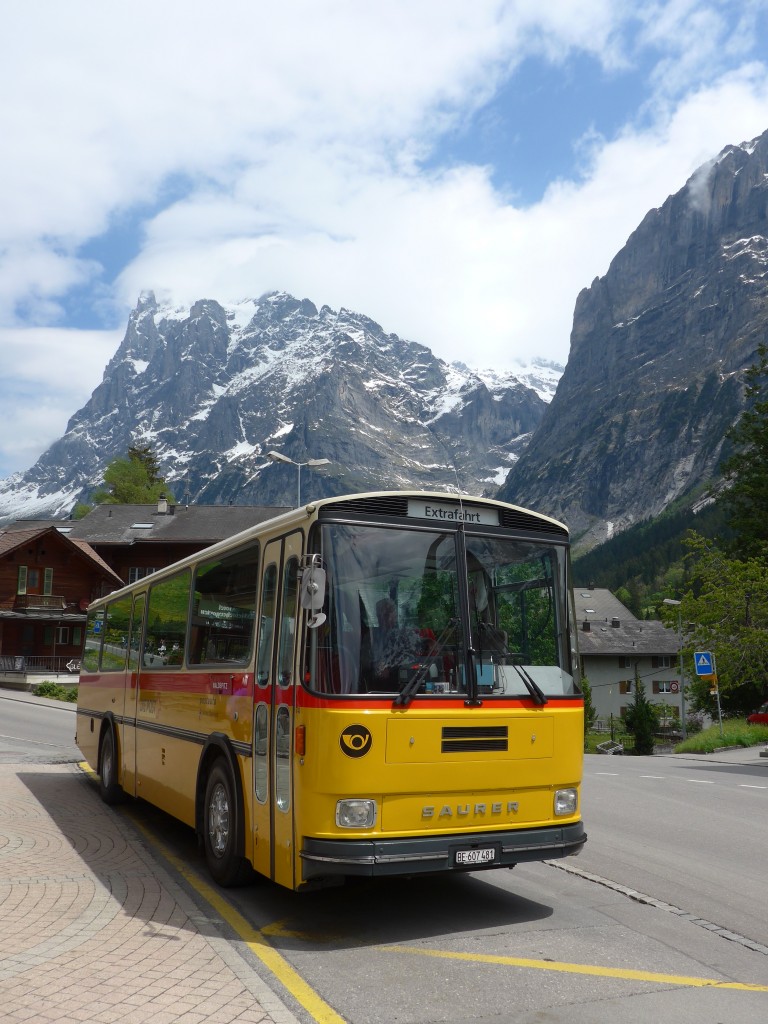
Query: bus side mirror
(313, 595)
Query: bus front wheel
(109, 788)
(220, 828)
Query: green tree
(148, 460)
(590, 714)
(641, 719)
(134, 480)
(725, 612)
(746, 469)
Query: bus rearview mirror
(313, 595)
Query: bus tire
(110, 790)
(220, 827)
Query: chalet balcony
(39, 603)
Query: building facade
(47, 581)
(618, 650)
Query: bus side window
(268, 596)
(224, 609)
(167, 621)
(94, 631)
(117, 627)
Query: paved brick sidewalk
(92, 930)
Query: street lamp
(676, 604)
(279, 457)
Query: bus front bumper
(427, 854)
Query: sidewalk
(93, 929)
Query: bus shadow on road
(382, 911)
(360, 912)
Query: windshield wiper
(405, 696)
(531, 685)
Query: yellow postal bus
(377, 684)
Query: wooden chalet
(47, 580)
(51, 570)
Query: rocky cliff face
(658, 349)
(212, 389)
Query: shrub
(736, 733)
(55, 691)
(641, 720)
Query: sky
(457, 170)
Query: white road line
(653, 776)
(702, 782)
(745, 785)
(606, 773)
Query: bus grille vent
(384, 505)
(466, 738)
(512, 519)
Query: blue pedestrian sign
(703, 661)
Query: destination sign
(438, 513)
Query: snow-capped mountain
(213, 388)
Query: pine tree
(641, 719)
(134, 480)
(746, 469)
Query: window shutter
(21, 583)
(656, 686)
(655, 662)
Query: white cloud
(294, 138)
(48, 374)
(444, 259)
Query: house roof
(598, 604)
(181, 524)
(606, 627)
(11, 540)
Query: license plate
(483, 855)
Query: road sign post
(706, 667)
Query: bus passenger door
(273, 711)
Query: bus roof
(299, 515)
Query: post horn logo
(355, 741)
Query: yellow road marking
(254, 938)
(566, 968)
(256, 941)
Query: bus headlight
(355, 813)
(566, 802)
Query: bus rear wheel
(225, 864)
(109, 788)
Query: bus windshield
(428, 613)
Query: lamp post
(279, 457)
(676, 604)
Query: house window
(77, 635)
(625, 686)
(661, 661)
(663, 686)
(62, 635)
(138, 572)
(21, 580)
(47, 582)
(624, 661)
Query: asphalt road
(691, 831)
(36, 729)
(662, 916)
